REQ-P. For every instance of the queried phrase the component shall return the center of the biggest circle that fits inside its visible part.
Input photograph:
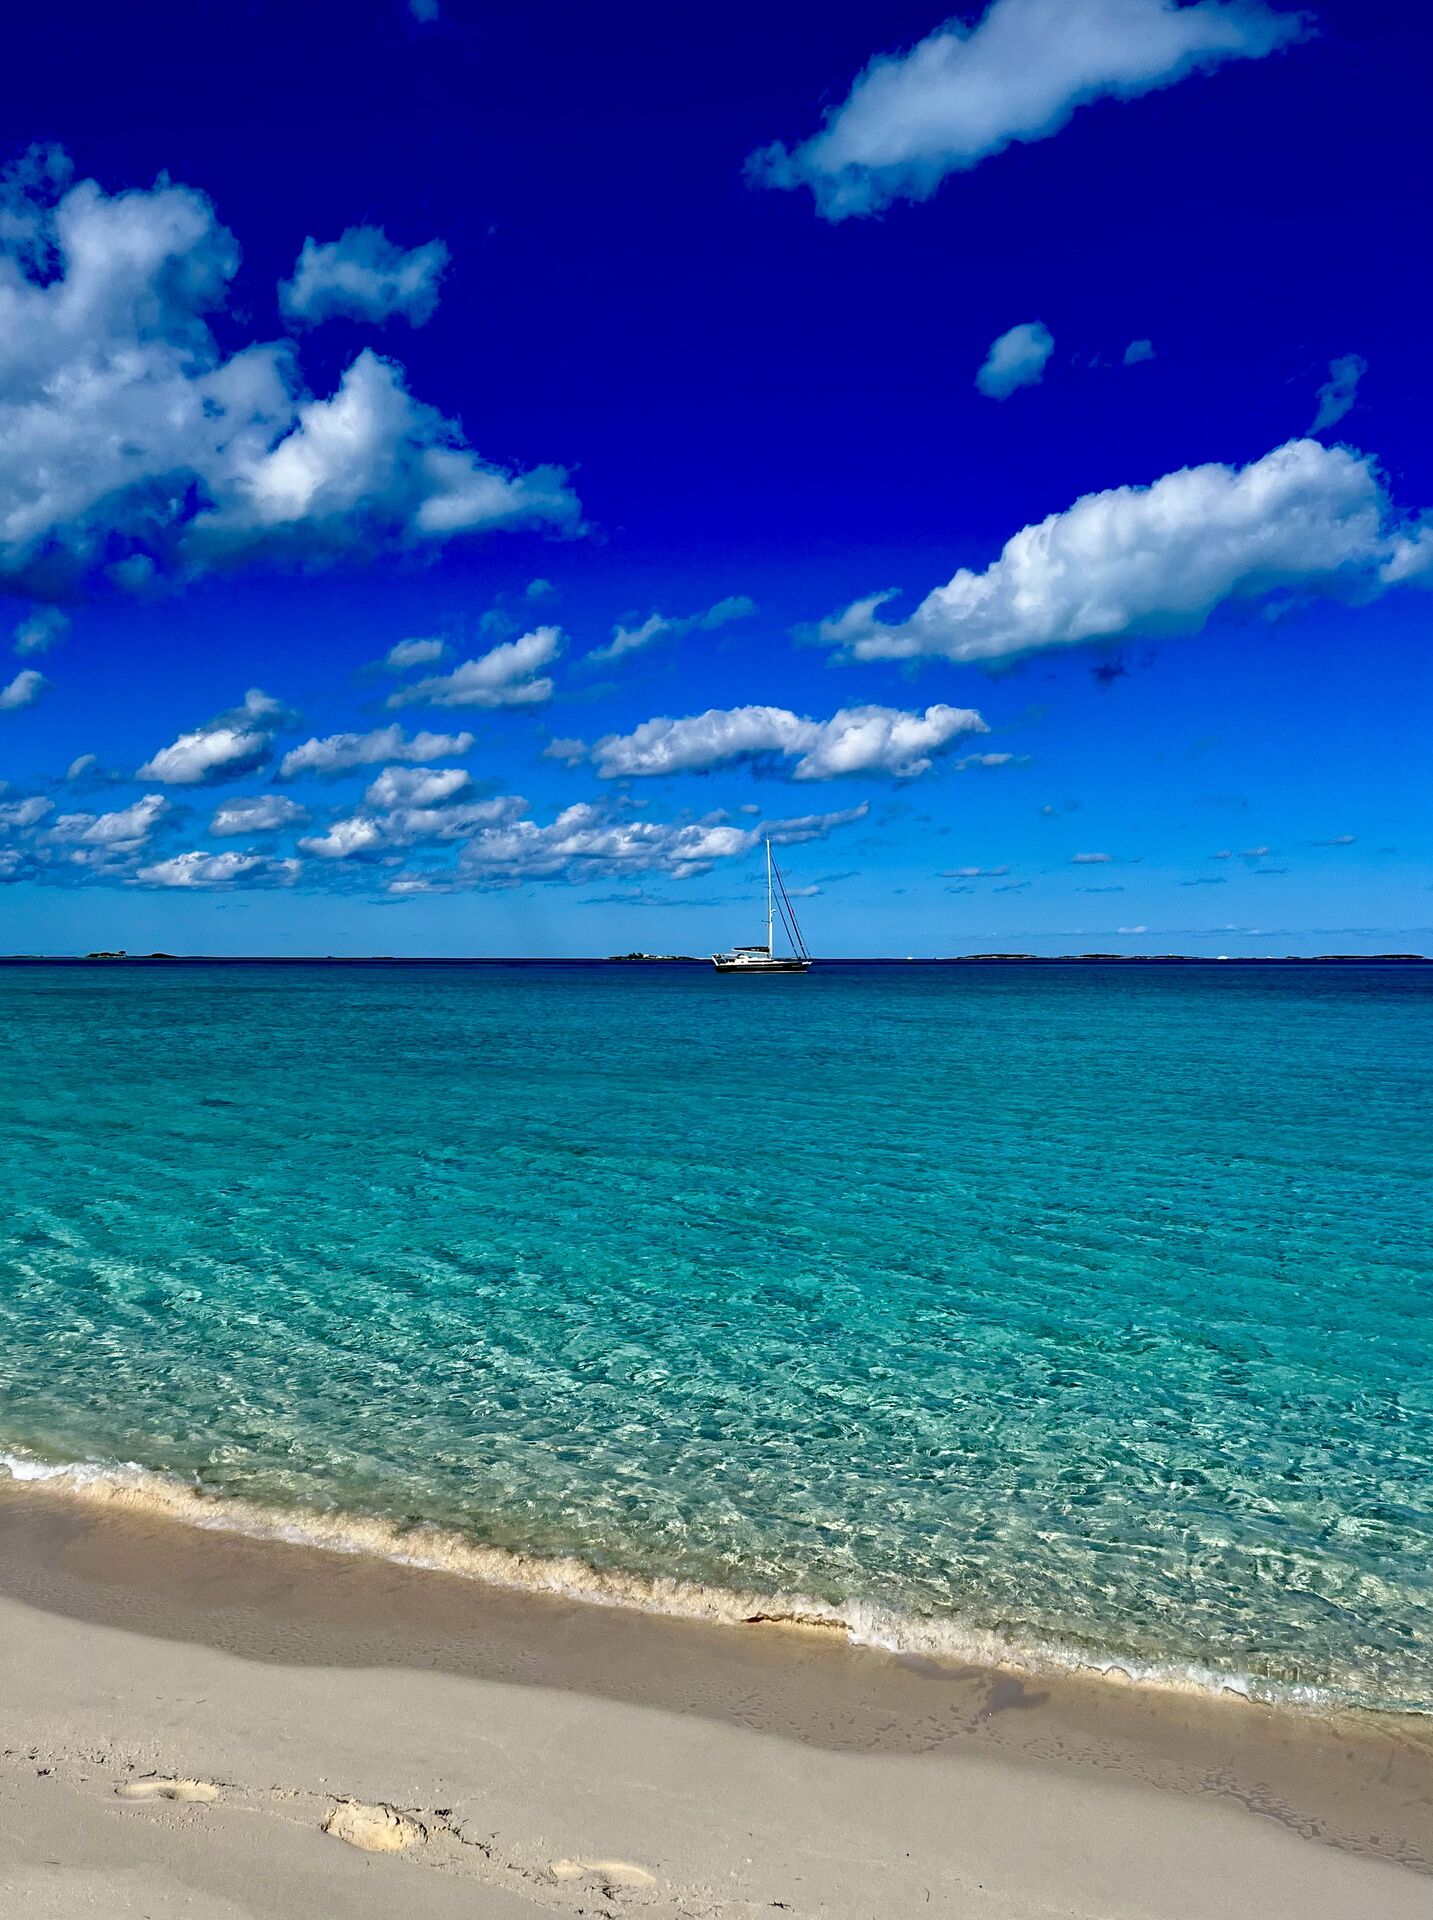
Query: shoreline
(146, 1493)
(226, 1654)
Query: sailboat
(766, 959)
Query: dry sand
(201, 1725)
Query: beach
(551, 1756)
(443, 1469)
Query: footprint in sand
(196, 1792)
(377, 1829)
(603, 1873)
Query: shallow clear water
(1088, 1308)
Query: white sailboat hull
(766, 959)
(758, 963)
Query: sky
(470, 470)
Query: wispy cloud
(1339, 391)
(660, 626)
(508, 675)
(964, 92)
(41, 630)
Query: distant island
(683, 957)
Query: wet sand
(538, 1753)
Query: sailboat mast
(770, 949)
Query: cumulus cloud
(366, 834)
(43, 629)
(1016, 359)
(508, 675)
(1159, 559)
(964, 92)
(119, 847)
(1339, 391)
(256, 813)
(659, 626)
(413, 653)
(855, 740)
(24, 813)
(1138, 351)
(585, 842)
(975, 873)
(416, 787)
(23, 691)
(365, 276)
(233, 744)
(338, 752)
(217, 870)
(123, 829)
(82, 764)
(1089, 859)
(133, 446)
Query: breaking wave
(130, 1488)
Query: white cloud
(413, 653)
(81, 765)
(234, 744)
(508, 675)
(1018, 74)
(1339, 391)
(855, 740)
(132, 445)
(569, 751)
(338, 752)
(256, 813)
(23, 691)
(371, 467)
(1138, 351)
(209, 753)
(659, 626)
(43, 629)
(363, 835)
(584, 842)
(974, 873)
(1089, 859)
(219, 870)
(24, 813)
(365, 276)
(122, 830)
(416, 787)
(1016, 359)
(1158, 560)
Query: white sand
(521, 1799)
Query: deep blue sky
(752, 400)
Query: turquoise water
(1083, 1312)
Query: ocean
(1071, 1315)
